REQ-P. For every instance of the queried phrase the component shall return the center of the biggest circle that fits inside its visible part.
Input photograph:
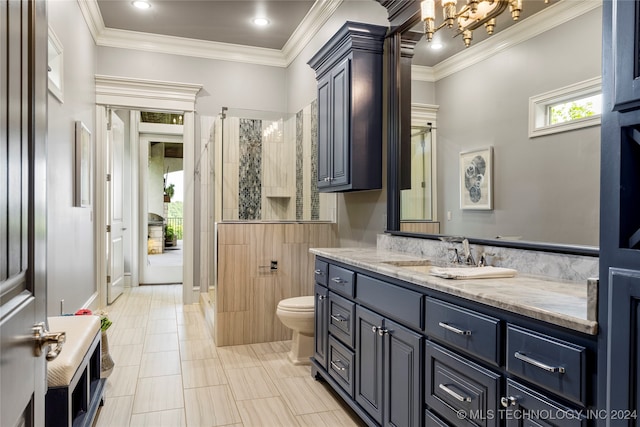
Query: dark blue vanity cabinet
(349, 74)
(401, 355)
(619, 290)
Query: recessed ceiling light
(436, 46)
(141, 4)
(260, 22)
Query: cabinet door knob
(508, 401)
(321, 297)
(382, 331)
(374, 329)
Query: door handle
(43, 338)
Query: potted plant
(168, 192)
(170, 237)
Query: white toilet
(298, 314)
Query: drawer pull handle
(336, 366)
(454, 329)
(338, 280)
(339, 318)
(319, 272)
(538, 364)
(454, 394)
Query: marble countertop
(567, 304)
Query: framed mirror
(545, 188)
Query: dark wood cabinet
(349, 74)
(321, 325)
(619, 288)
(403, 355)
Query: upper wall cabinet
(349, 73)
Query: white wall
(70, 241)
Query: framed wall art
(476, 176)
(83, 166)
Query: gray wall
(545, 188)
(70, 242)
(225, 83)
(361, 215)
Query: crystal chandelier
(471, 16)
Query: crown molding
(317, 16)
(128, 92)
(422, 73)
(545, 20)
(539, 23)
(423, 113)
(319, 13)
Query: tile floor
(169, 373)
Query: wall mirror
(546, 188)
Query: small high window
(568, 108)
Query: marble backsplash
(573, 268)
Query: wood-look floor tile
(251, 383)
(202, 373)
(304, 395)
(126, 336)
(116, 412)
(271, 347)
(126, 355)
(267, 412)
(192, 332)
(171, 418)
(239, 356)
(130, 322)
(122, 381)
(160, 342)
(278, 365)
(329, 419)
(162, 326)
(198, 349)
(158, 394)
(210, 406)
(159, 364)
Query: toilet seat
(297, 304)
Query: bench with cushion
(75, 388)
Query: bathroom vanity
(404, 348)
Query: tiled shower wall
(270, 169)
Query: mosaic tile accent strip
(250, 171)
(299, 167)
(315, 196)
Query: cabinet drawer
(398, 303)
(557, 365)
(342, 280)
(321, 271)
(341, 365)
(455, 386)
(430, 419)
(540, 410)
(467, 330)
(342, 314)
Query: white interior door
(23, 121)
(115, 215)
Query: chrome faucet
(466, 253)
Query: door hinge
(108, 177)
(108, 279)
(109, 111)
(108, 229)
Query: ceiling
(210, 20)
(229, 24)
